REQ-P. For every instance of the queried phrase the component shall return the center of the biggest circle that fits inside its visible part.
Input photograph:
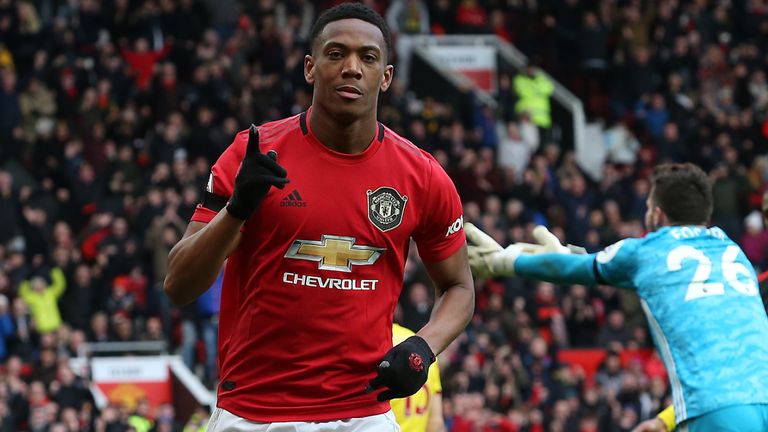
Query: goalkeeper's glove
(258, 173)
(403, 370)
(549, 243)
(488, 259)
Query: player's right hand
(258, 173)
(652, 425)
(487, 258)
(403, 370)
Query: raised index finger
(252, 149)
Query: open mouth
(349, 92)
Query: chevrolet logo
(334, 252)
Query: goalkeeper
(697, 289)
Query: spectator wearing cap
(128, 295)
(42, 299)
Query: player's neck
(679, 224)
(349, 138)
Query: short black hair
(351, 11)
(684, 193)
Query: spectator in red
(471, 17)
(121, 300)
(142, 61)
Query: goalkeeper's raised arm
(546, 260)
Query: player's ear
(309, 69)
(389, 73)
(660, 218)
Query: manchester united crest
(386, 207)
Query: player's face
(348, 69)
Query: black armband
(214, 202)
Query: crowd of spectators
(112, 112)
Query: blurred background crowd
(112, 112)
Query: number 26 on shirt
(699, 287)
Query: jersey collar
(345, 158)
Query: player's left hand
(403, 370)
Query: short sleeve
(221, 181)
(441, 226)
(616, 265)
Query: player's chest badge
(386, 208)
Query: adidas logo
(293, 200)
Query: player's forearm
(455, 300)
(196, 260)
(450, 316)
(557, 268)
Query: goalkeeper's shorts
(737, 418)
(224, 421)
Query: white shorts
(224, 421)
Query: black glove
(258, 172)
(404, 369)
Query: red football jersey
(308, 296)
